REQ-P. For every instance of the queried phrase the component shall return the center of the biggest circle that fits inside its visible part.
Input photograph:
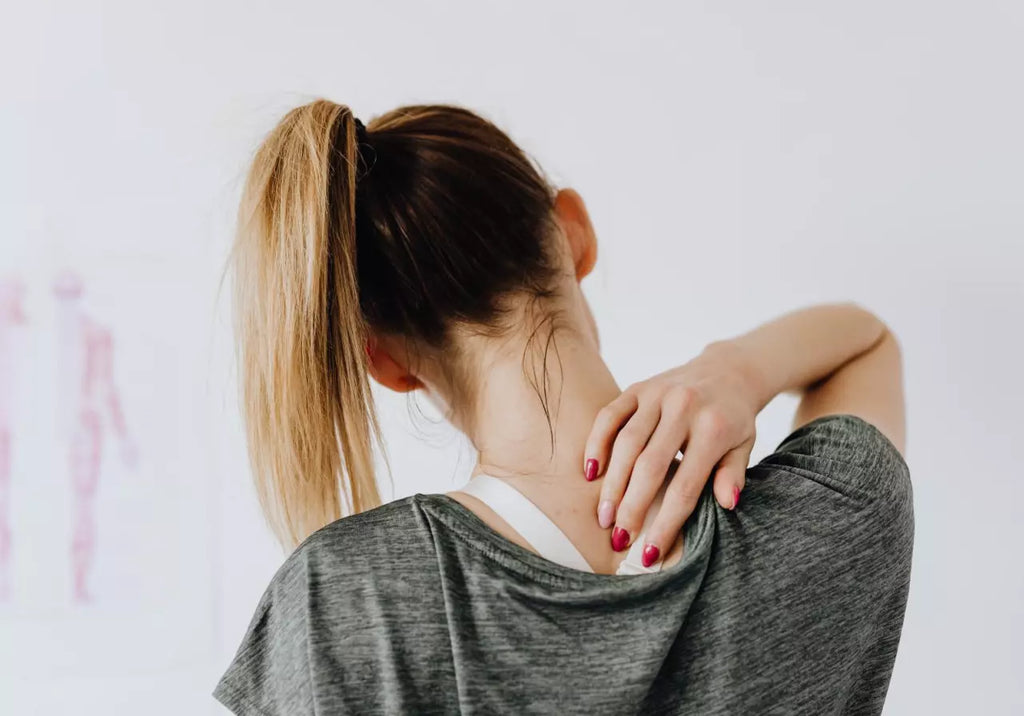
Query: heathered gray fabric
(793, 604)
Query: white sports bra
(544, 535)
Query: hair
(426, 226)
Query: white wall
(738, 159)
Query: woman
(427, 252)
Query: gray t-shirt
(792, 604)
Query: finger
(607, 424)
(731, 475)
(650, 471)
(701, 454)
(629, 442)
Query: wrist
(754, 379)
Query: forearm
(794, 351)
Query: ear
(573, 216)
(387, 371)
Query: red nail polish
(650, 555)
(620, 538)
(590, 472)
(735, 496)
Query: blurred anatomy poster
(104, 528)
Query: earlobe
(387, 371)
(589, 258)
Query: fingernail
(735, 496)
(590, 471)
(650, 555)
(620, 538)
(605, 513)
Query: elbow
(879, 330)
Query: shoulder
(316, 592)
(354, 542)
(345, 546)
(334, 567)
(833, 503)
(845, 452)
(840, 474)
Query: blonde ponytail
(453, 218)
(306, 400)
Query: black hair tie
(360, 131)
(363, 141)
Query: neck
(510, 430)
(514, 434)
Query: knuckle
(610, 417)
(645, 467)
(616, 479)
(675, 400)
(684, 397)
(690, 496)
(614, 487)
(686, 494)
(630, 437)
(605, 416)
(714, 424)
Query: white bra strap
(633, 563)
(527, 519)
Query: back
(793, 603)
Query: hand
(707, 408)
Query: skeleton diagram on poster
(93, 413)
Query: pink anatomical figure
(92, 410)
(11, 315)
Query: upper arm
(869, 386)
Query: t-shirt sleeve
(270, 673)
(849, 455)
(829, 523)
